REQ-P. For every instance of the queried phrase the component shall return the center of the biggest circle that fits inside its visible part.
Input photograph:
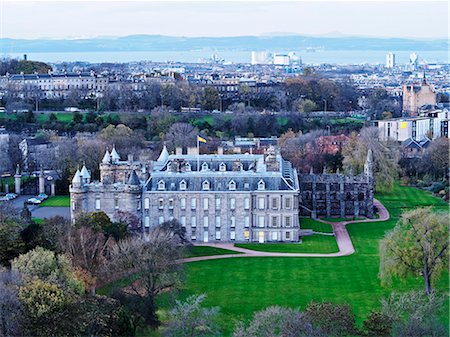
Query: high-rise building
(261, 57)
(390, 60)
(281, 59)
(413, 61)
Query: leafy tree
(52, 117)
(385, 158)
(305, 105)
(333, 319)
(189, 319)
(278, 322)
(418, 246)
(11, 240)
(100, 222)
(211, 99)
(377, 325)
(436, 159)
(414, 314)
(41, 297)
(77, 117)
(49, 267)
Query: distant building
(261, 57)
(281, 60)
(432, 125)
(390, 60)
(415, 96)
(413, 61)
(58, 85)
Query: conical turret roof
(114, 155)
(85, 173)
(164, 155)
(106, 158)
(76, 178)
(134, 179)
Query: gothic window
(232, 185)
(261, 185)
(205, 185)
(222, 167)
(183, 185)
(161, 185)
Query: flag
(200, 139)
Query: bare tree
(181, 135)
(10, 307)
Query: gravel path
(342, 237)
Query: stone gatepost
(17, 180)
(53, 189)
(41, 182)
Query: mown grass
(241, 286)
(196, 251)
(57, 201)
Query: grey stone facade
(241, 198)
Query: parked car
(42, 196)
(11, 196)
(34, 201)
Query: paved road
(41, 212)
(342, 237)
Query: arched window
(183, 185)
(161, 185)
(232, 185)
(222, 167)
(205, 167)
(261, 185)
(205, 185)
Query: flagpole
(198, 154)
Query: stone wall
(336, 195)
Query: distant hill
(238, 43)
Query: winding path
(339, 228)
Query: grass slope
(58, 201)
(195, 251)
(242, 286)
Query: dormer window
(222, 167)
(161, 185)
(205, 167)
(205, 185)
(183, 185)
(188, 167)
(261, 185)
(169, 166)
(232, 185)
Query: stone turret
(368, 166)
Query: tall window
(193, 203)
(161, 220)
(246, 221)
(261, 203)
(217, 221)
(161, 185)
(274, 221)
(217, 235)
(287, 203)
(116, 203)
(183, 220)
(193, 221)
(146, 203)
(97, 203)
(147, 221)
(274, 203)
(205, 204)
(170, 203)
(218, 203)
(232, 203)
(183, 203)
(205, 221)
(247, 203)
(261, 220)
(161, 203)
(288, 221)
(232, 222)
(232, 235)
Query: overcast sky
(423, 19)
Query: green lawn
(195, 251)
(241, 286)
(58, 201)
